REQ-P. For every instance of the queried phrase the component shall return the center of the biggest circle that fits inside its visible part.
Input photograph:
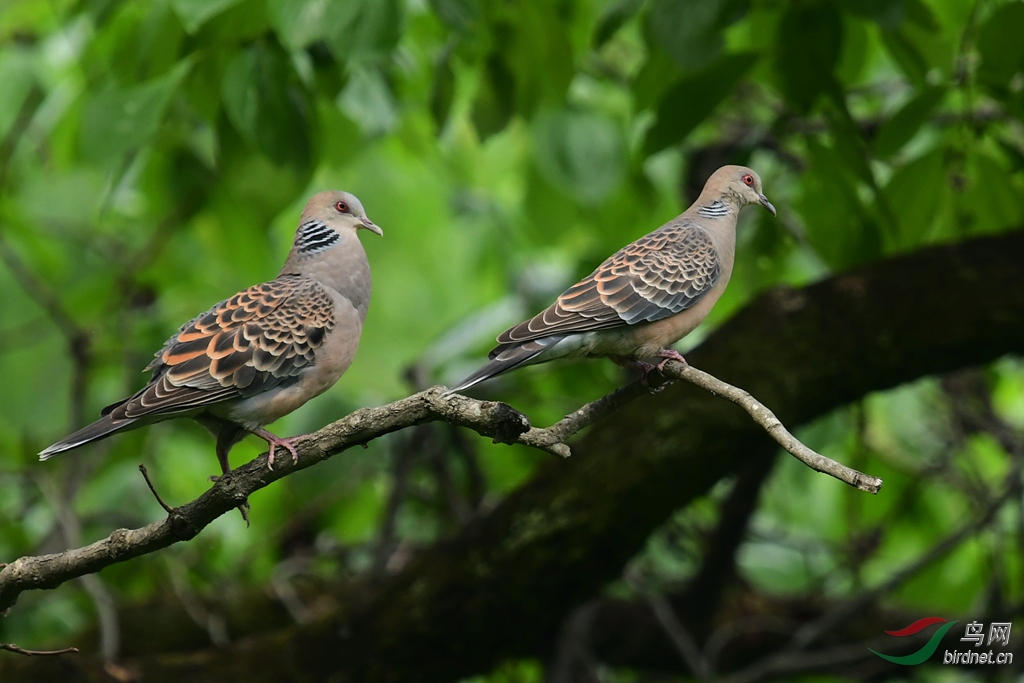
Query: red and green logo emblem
(928, 649)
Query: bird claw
(287, 445)
(274, 441)
(667, 355)
(645, 368)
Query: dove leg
(222, 458)
(227, 434)
(644, 368)
(225, 443)
(274, 441)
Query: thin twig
(145, 475)
(771, 424)
(552, 438)
(11, 647)
(680, 636)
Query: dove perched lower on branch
(265, 351)
(644, 297)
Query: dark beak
(372, 227)
(766, 204)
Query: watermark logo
(998, 633)
(928, 649)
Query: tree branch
(488, 418)
(11, 647)
(496, 420)
(766, 418)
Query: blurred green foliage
(155, 155)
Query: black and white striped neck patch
(715, 209)
(314, 236)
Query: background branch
(532, 558)
(11, 647)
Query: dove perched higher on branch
(265, 351)
(644, 297)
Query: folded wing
(254, 341)
(659, 275)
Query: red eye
(342, 207)
(748, 179)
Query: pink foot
(274, 441)
(667, 355)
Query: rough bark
(501, 587)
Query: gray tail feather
(101, 428)
(508, 357)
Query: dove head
(332, 211)
(327, 249)
(739, 184)
(330, 219)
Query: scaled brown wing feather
(245, 345)
(657, 276)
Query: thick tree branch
(496, 420)
(553, 543)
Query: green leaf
(655, 77)
(494, 103)
(921, 15)
(17, 78)
(993, 197)
(1001, 45)
(581, 152)
(368, 101)
(442, 91)
(460, 15)
(837, 224)
(905, 123)
(915, 191)
(298, 23)
(364, 30)
(265, 104)
(195, 13)
(693, 99)
(613, 19)
(847, 139)
(906, 55)
(809, 42)
(1012, 153)
(889, 14)
(120, 119)
(540, 55)
(690, 31)
(885, 13)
